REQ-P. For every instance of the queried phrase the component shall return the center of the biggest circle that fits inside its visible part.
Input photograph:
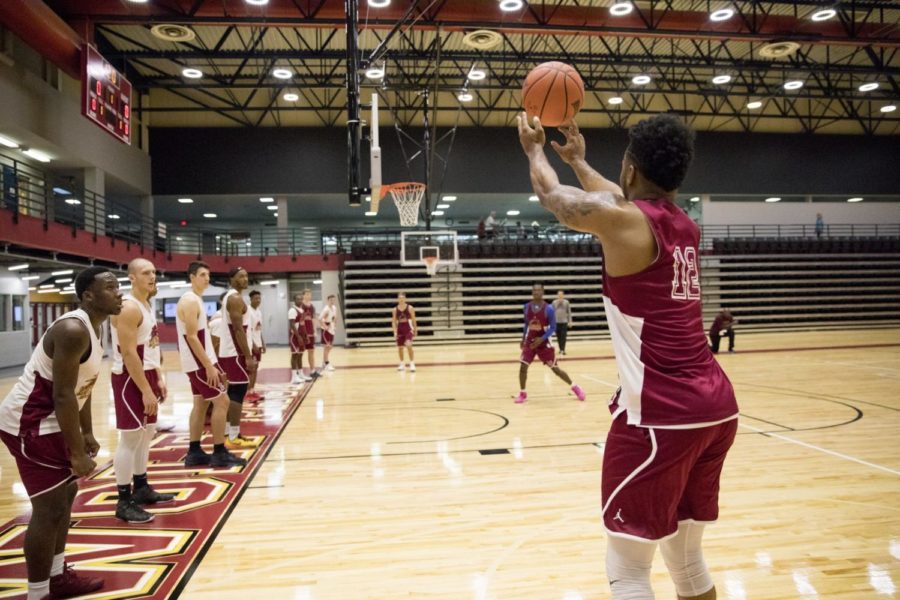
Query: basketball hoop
(407, 196)
(431, 264)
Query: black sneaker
(131, 512)
(196, 459)
(147, 495)
(226, 459)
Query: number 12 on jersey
(686, 280)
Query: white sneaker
(165, 424)
(304, 377)
(412, 367)
(400, 367)
(296, 379)
(330, 367)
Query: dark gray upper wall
(489, 160)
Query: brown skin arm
(66, 343)
(394, 320)
(412, 319)
(235, 307)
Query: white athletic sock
(38, 590)
(123, 462)
(59, 561)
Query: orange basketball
(554, 92)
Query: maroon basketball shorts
(544, 352)
(296, 344)
(235, 368)
(199, 387)
(129, 401)
(327, 338)
(43, 461)
(404, 338)
(653, 478)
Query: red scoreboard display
(106, 95)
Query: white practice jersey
(147, 340)
(189, 362)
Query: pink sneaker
(70, 584)
(579, 393)
(521, 398)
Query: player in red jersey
(403, 321)
(298, 339)
(540, 325)
(675, 414)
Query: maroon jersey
(307, 319)
(667, 374)
(403, 316)
(537, 320)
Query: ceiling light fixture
(721, 79)
(114, 217)
(511, 5)
(257, 2)
(754, 105)
(282, 73)
(856, 199)
(36, 155)
(379, 3)
(5, 141)
(273, 207)
(868, 87)
(621, 8)
(267, 200)
(616, 100)
(192, 73)
(31, 277)
(448, 199)
(533, 199)
(794, 84)
(73, 201)
(823, 15)
(442, 206)
(437, 213)
(465, 97)
(375, 72)
(888, 108)
(721, 15)
(370, 213)
(773, 199)
(63, 272)
(476, 74)
(291, 97)
(640, 79)
(512, 213)
(695, 199)
(17, 267)
(210, 215)
(186, 200)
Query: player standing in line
(308, 337)
(45, 421)
(675, 414)
(328, 319)
(298, 340)
(257, 343)
(208, 382)
(235, 356)
(138, 388)
(403, 321)
(540, 325)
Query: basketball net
(431, 264)
(407, 197)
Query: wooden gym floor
(379, 486)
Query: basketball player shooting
(540, 325)
(674, 414)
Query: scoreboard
(106, 95)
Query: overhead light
(511, 5)
(856, 199)
(192, 73)
(317, 282)
(868, 87)
(465, 97)
(17, 267)
(73, 201)
(754, 105)
(5, 141)
(122, 279)
(794, 84)
(773, 199)
(721, 15)
(210, 215)
(64, 280)
(368, 198)
(62, 191)
(448, 199)
(267, 200)
(476, 74)
(616, 100)
(720, 79)
(512, 213)
(640, 79)
(46, 286)
(269, 282)
(275, 214)
(370, 213)
(63, 272)
(32, 289)
(273, 207)
(114, 217)
(291, 97)
(695, 199)
(621, 8)
(437, 213)
(186, 200)
(249, 243)
(888, 108)
(36, 155)
(533, 199)
(379, 3)
(257, 2)
(823, 15)
(375, 72)
(52, 290)
(31, 278)
(282, 73)
(442, 206)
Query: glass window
(4, 312)
(18, 313)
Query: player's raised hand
(531, 136)
(573, 149)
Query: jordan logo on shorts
(618, 516)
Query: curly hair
(86, 278)
(662, 148)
